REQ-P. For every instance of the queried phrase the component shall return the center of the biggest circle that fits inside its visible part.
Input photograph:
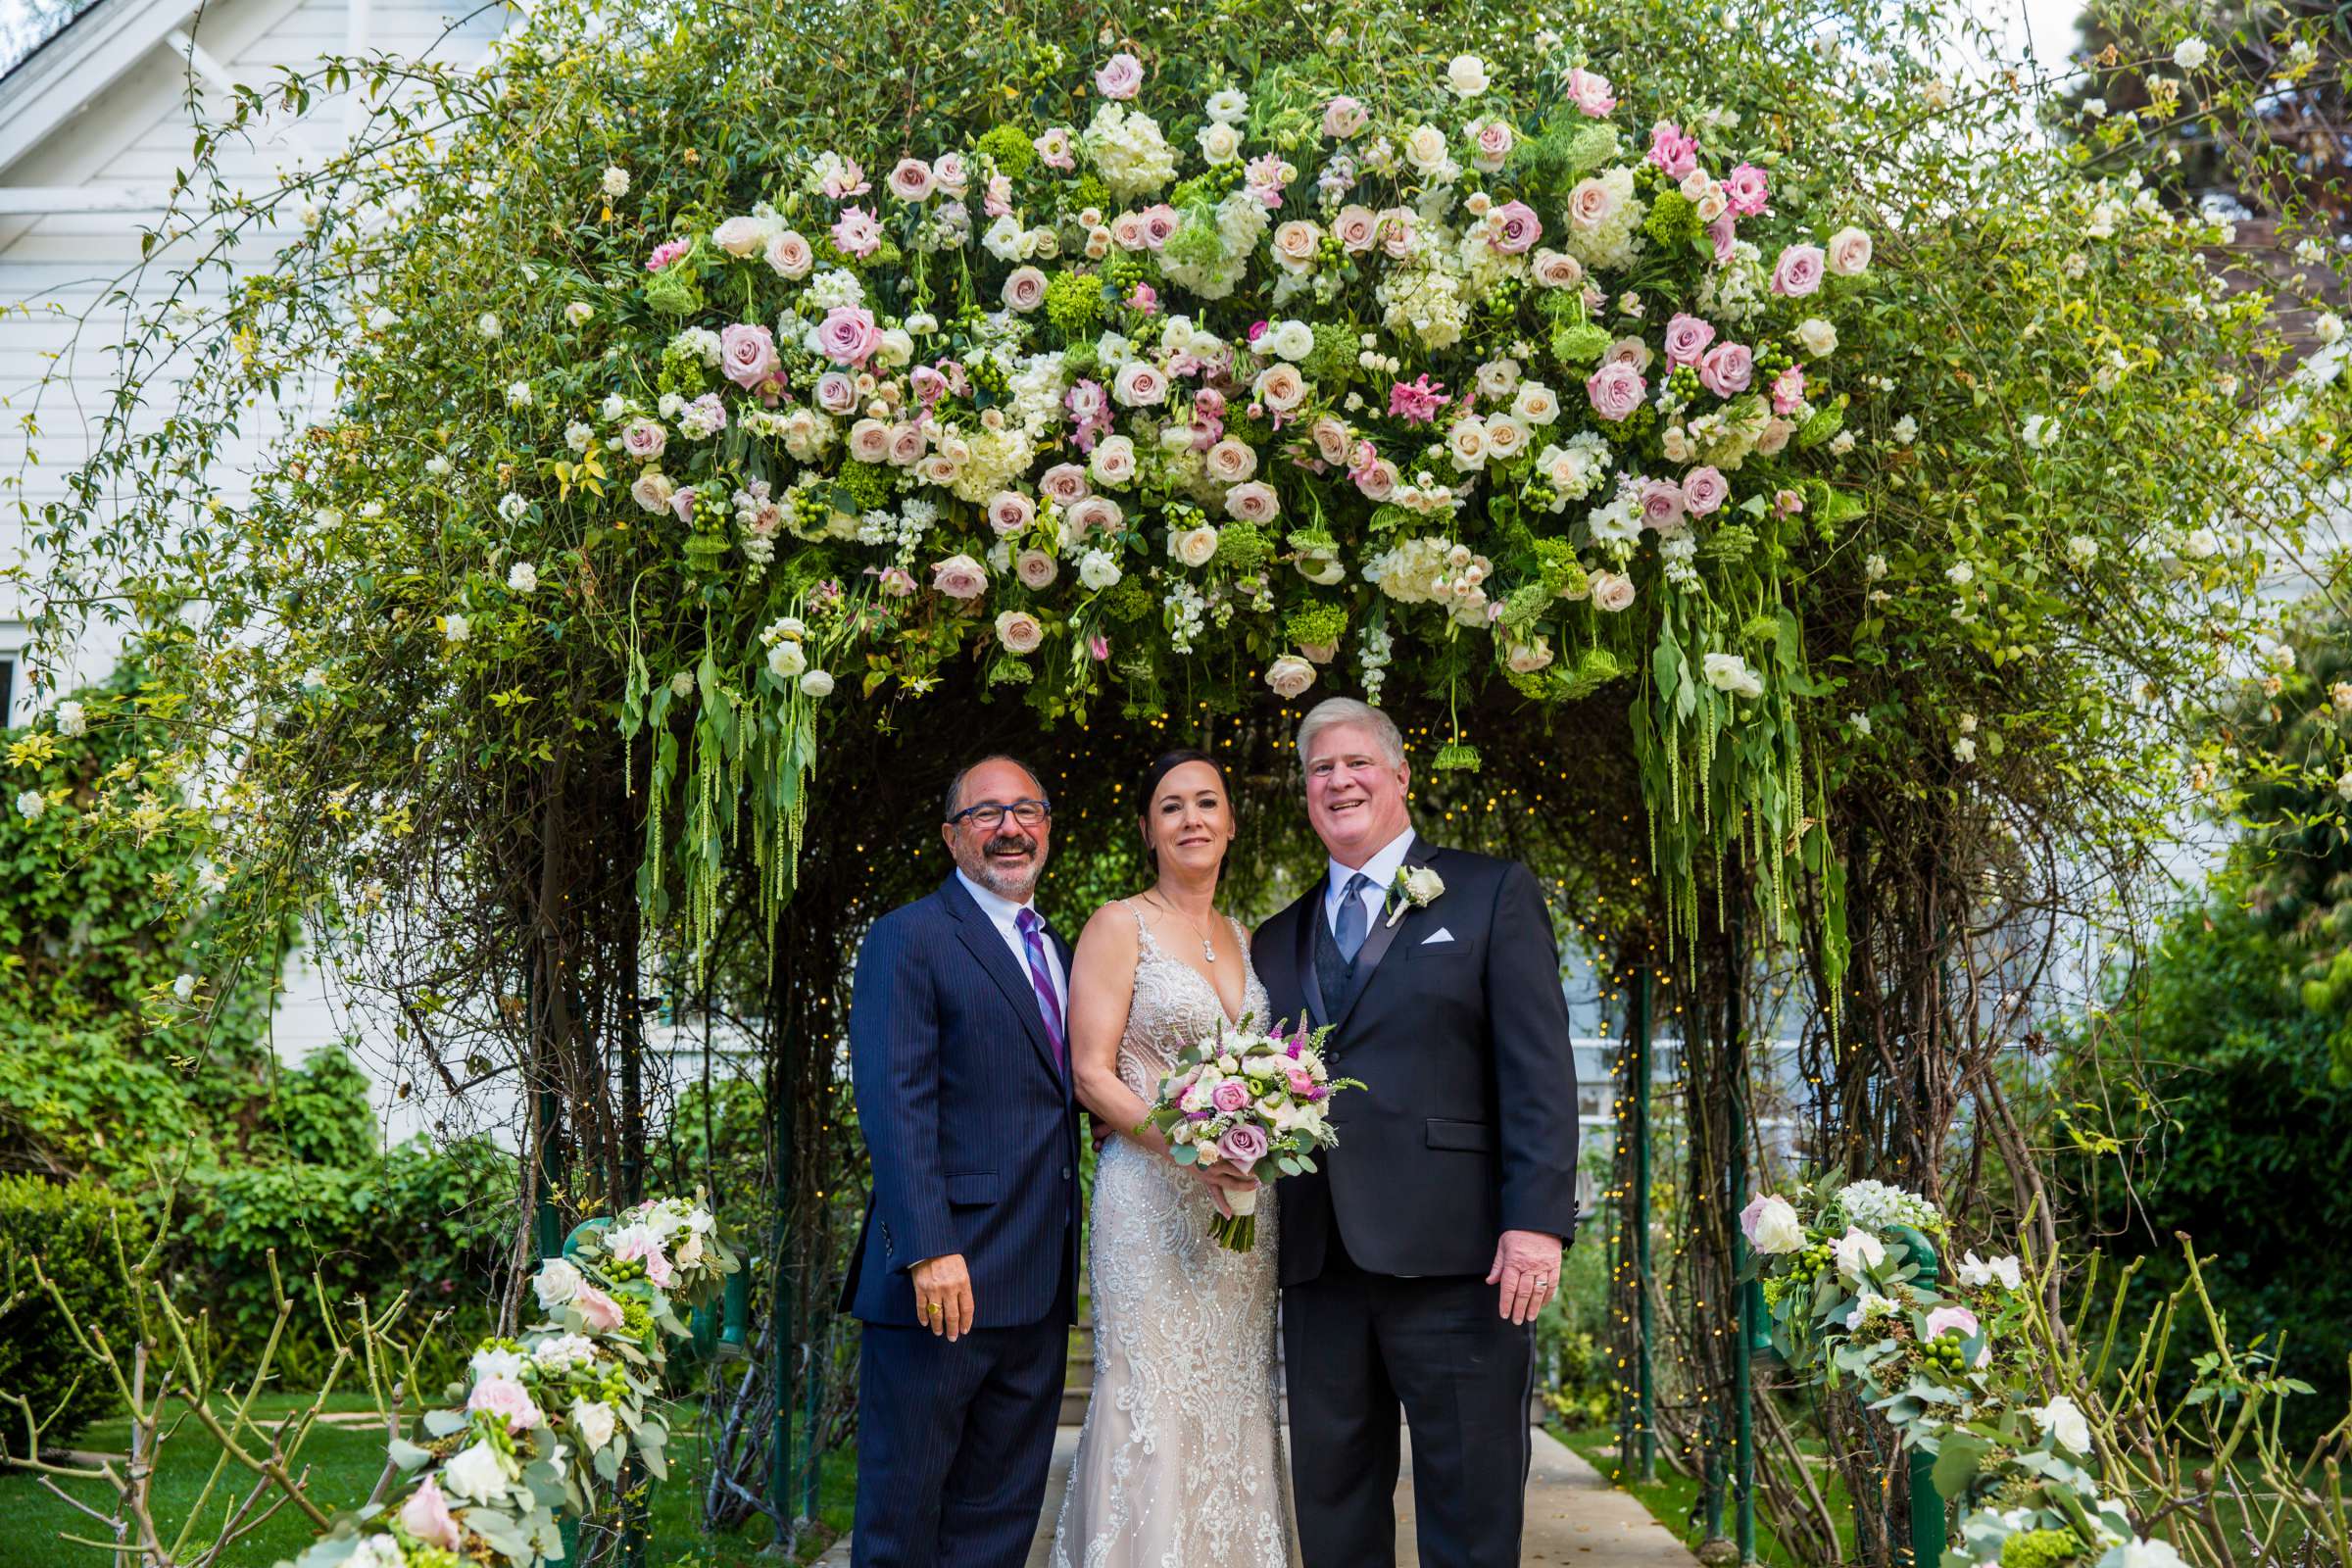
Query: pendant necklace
(1209, 949)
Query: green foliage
(2042, 1549)
(80, 1233)
(2244, 1144)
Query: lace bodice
(1181, 1462)
(1175, 1004)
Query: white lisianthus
(1867, 1305)
(816, 683)
(1099, 570)
(494, 1363)
(786, 660)
(476, 1473)
(1227, 106)
(2063, 1419)
(1976, 1272)
(1856, 1251)
(1293, 340)
(1729, 673)
(2140, 1552)
(592, 1422)
(522, 577)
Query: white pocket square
(1441, 934)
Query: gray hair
(954, 801)
(1336, 711)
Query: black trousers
(954, 1443)
(1356, 1346)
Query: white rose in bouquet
(1772, 1225)
(478, 1473)
(1857, 1251)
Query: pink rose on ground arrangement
(747, 355)
(1799, 271)
(1616, 390)
(1120, 78)
(427, 1516)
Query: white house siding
(125, 142)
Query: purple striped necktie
(1040, 977)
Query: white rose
(592, 1422)
(1857, 1250)
(2190, 53)
(786, 660)
(1099, 570)
(557, 1283)
(1293, 340)
(1778, 1229)
(1817, 337)
(615, 181)
(1467, 75)
(816, 683)
(457, 629)
(476, 1473)
(1424, 147)
(1220, 143)
(73, 719)
(1194, 546)
(1729, 673)
(522, 577)
(1536, 402)
(1466, 441)
(2063, 1419)
(31, 804)
(1290, 675)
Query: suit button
(1065, 1173)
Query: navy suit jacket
(968, 1117)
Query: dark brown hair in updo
(1162, 766)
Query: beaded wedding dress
(1180, 1463)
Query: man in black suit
(1415, 1260)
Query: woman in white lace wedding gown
(1181, 1462)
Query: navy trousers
(954, 1443)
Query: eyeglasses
(992, 813)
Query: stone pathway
(1573, 1517)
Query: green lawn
(344, 1466)
(1671, 1497)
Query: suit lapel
(1381, 938)
(1306, 912)
(981, 938)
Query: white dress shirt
(1381, 868)
(1005, 915)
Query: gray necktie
(1348, 929)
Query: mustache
(1006, 843)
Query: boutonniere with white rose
(1416, 887)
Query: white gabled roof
(94, 51)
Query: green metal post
(1928, 1523)
(779, 1448)
(815, 1380)
(1743, 1452)
(1644, 1431)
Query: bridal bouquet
(1251, 1098)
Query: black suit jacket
(967, 1115)
(1466, 1126)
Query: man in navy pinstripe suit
(965, 1275)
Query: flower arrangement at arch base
(1850, 1290)
(552, 1416)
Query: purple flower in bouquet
(1244, 1143)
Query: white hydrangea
(1424, 303)
(997, 459)
(1738, 289)
(834, 287)
(700, 342)
(1615, 239)
(1410, 570)
(1128, 151)
(1875, 1205)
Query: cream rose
(1019, 631)
(789, 255)
(1139, 384)
(1354, 226)
(1849, 252)
(1611, 591)
(1194, 546)
(1035, 568)
(1290, 676)
(1113, 461)
(1231, 461)
(1280, 387)
(1252, 502)
(959, 577)
(1024, 289)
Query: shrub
(73, 1229)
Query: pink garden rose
(996, 200)
(1661, 502)
(1513, 227)
(1849, 252)
(952, 174)
(869, 441)
(857, 233)
(427, 1516)
(1728, 369)
(506, 1397)
(667, 252)
(1065, 482)
(1612, 591)
(848, 336)
(1375, 480)
(1944, 1319)
(1252, 502)
(1139, 384)
(789, 255)
(1343, 118)
(644, 439)
(1705, 490)
(1493, 139)
(1592, 93)
(681, 504)
(1799, 271)
(1748, 190)
(1722, 234)
(1244, 1143)
(1230, 1096)
(1009, 513)
(1789, 389)
(1120, 77)
(907, 443)
(1353, 226)
(959, 577)
(911, 181)
(747, 355)
(1019, 631)
(1161, 224)
(1670, 150)
(1616, 390)
(1686, 339)
(1024, 289)
(1092, 514)
(1036, 569)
